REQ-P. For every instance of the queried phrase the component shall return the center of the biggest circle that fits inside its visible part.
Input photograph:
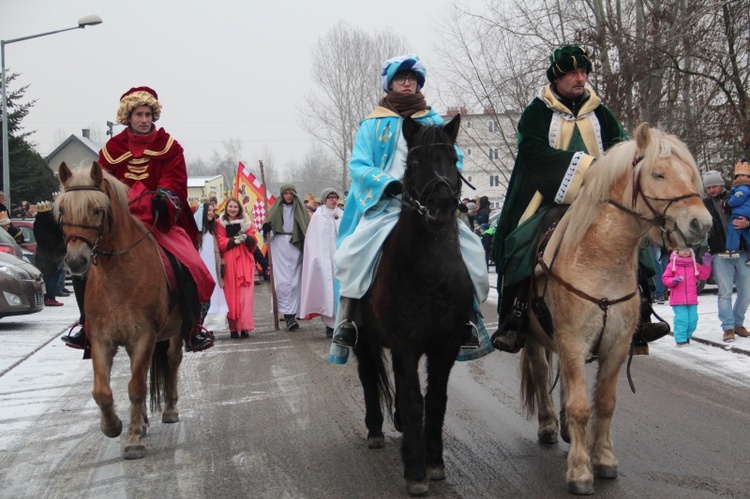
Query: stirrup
(472, 343)
(205, 344)
(338, 338)
(73, 340)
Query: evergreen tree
(30, 178)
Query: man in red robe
(150, 160)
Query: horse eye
(98, 211)
(658, 175)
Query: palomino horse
(127, 299)
(645, 189)
(417, 305)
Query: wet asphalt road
(268, 417)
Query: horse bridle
(659, 219)
(411, 202)
(96, 250)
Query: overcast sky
(223, 69)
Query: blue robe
(379, 159)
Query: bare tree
(681, 65)
(346, 66)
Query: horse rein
(411, 202)
(94, 245)
(659, 219)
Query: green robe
(550, 173)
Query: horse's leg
(439, 367)
(605, 397)
(579, 476)
(140, 360)
(101, 358)
(410, 405)
(174, 359)
(539, 371)
(369, 363)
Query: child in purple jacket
(681, 276)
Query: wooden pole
(270, 256)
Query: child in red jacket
(681, 276)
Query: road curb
(729, 347)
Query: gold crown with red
(742, 167)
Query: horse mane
(608, 169)
(77, 206)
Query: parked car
(27, 229)
(22, 286)
(9, 246)
(26, 225)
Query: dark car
(22, 286)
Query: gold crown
(43, 206)
(742, 168)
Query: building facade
(488, 141)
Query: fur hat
(409, 62)
(712, 178)
(4, 220)
(43, 206)
(742, 167)
(138, 96)
(566, 59)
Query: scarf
(404, 105)
(137, 143)
(301, 219)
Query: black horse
(417, 305)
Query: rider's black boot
(194, 336)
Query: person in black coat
(50, 252)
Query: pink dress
(239, 279)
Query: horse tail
(530, 379)
(528, 386)
(384, 382)
(159, 374)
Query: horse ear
(64, 173)
(96, 174)
(453, 127)
(642, 136)
(410, 129)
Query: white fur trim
(568, 178)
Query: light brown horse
(126, 302)
(645, 190)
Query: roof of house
(200, 181)
(95, 147)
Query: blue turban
(395, 65)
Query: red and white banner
(251, 193)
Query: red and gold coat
(156, 162)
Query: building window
(494, 181)
(492, 153)
(468, 152)
(493, 126)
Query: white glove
(237, 240)
(243, 237)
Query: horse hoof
(112, 431)
(608, 472)
(376, 442)
(417, 488)
(170, 417)
(436, 472)
(135, 451)
(547, 437)
(581, 488)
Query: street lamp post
(82, 23)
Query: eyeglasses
(332, 196)
(401, 78)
